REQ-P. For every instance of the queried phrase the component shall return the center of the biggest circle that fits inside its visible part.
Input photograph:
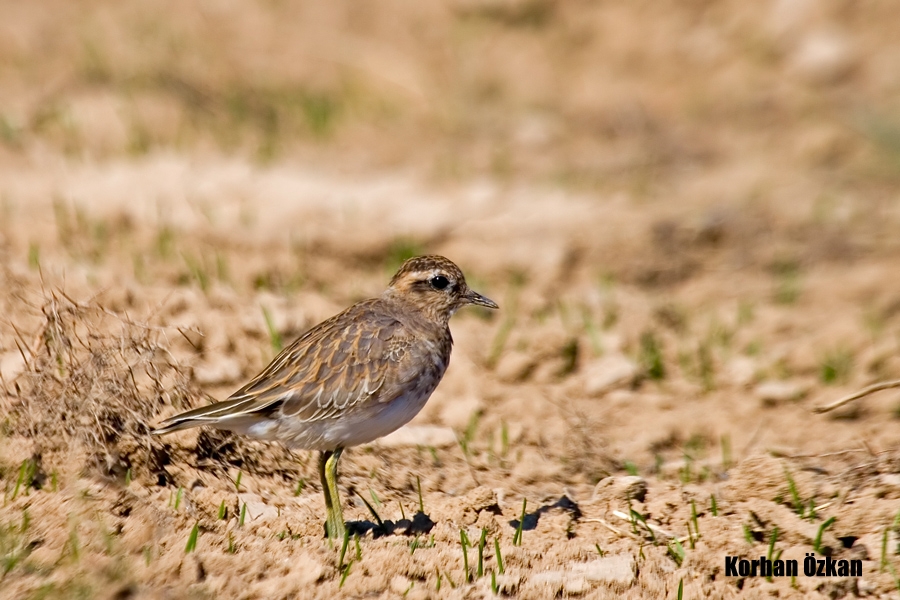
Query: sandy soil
(688, 215)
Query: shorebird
(353, 378)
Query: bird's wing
(352, 357)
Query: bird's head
(436, 286)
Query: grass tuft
(481, 542)
(14, 547)
(517, 538)
(650, 356)
(817, 544)
(192, 539)
(419, 490)
(836, 365)
(343, 553)
(25, 479)
(464, 543)
(345, 572)
(108, 380)
(676, 551)
(274, 335)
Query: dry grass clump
(93, 384)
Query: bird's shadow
(420, 524)
(530, 520)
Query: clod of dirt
(773, 393)
(618, 571)
(627, 487)
(257, 509)
(467, 509)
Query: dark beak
(476, 298)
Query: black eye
(439, 282)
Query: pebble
(481, 498)
(740, 371)
(257, 509)
(624, 487)
(616, 570)
(823, 57)
(11, 364)
(772, 393)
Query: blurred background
(687, 210)
(787, 100)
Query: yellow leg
(328, 473)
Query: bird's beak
(476, 298)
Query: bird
(353, 378)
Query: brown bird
(353, 378)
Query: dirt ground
(687, 212)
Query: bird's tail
(234, 415)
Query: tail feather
(231, 414)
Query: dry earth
(687, 212)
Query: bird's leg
(328, 472)
(323, 460)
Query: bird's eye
(439, 282)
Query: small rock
(257, 509)
(11, 364)
(618, 569)
(890, 485)
(508, 584)
(890, 479)
(576, 586)
(740, 371)
(860, 548)
(400, 585)
(858, 552)
(477, 504)
(610, 372)
(481, 498)
(419, 435)
(823, 57)
(553, 580)
(624, 487)
(772, 393)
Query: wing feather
(351, 358)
